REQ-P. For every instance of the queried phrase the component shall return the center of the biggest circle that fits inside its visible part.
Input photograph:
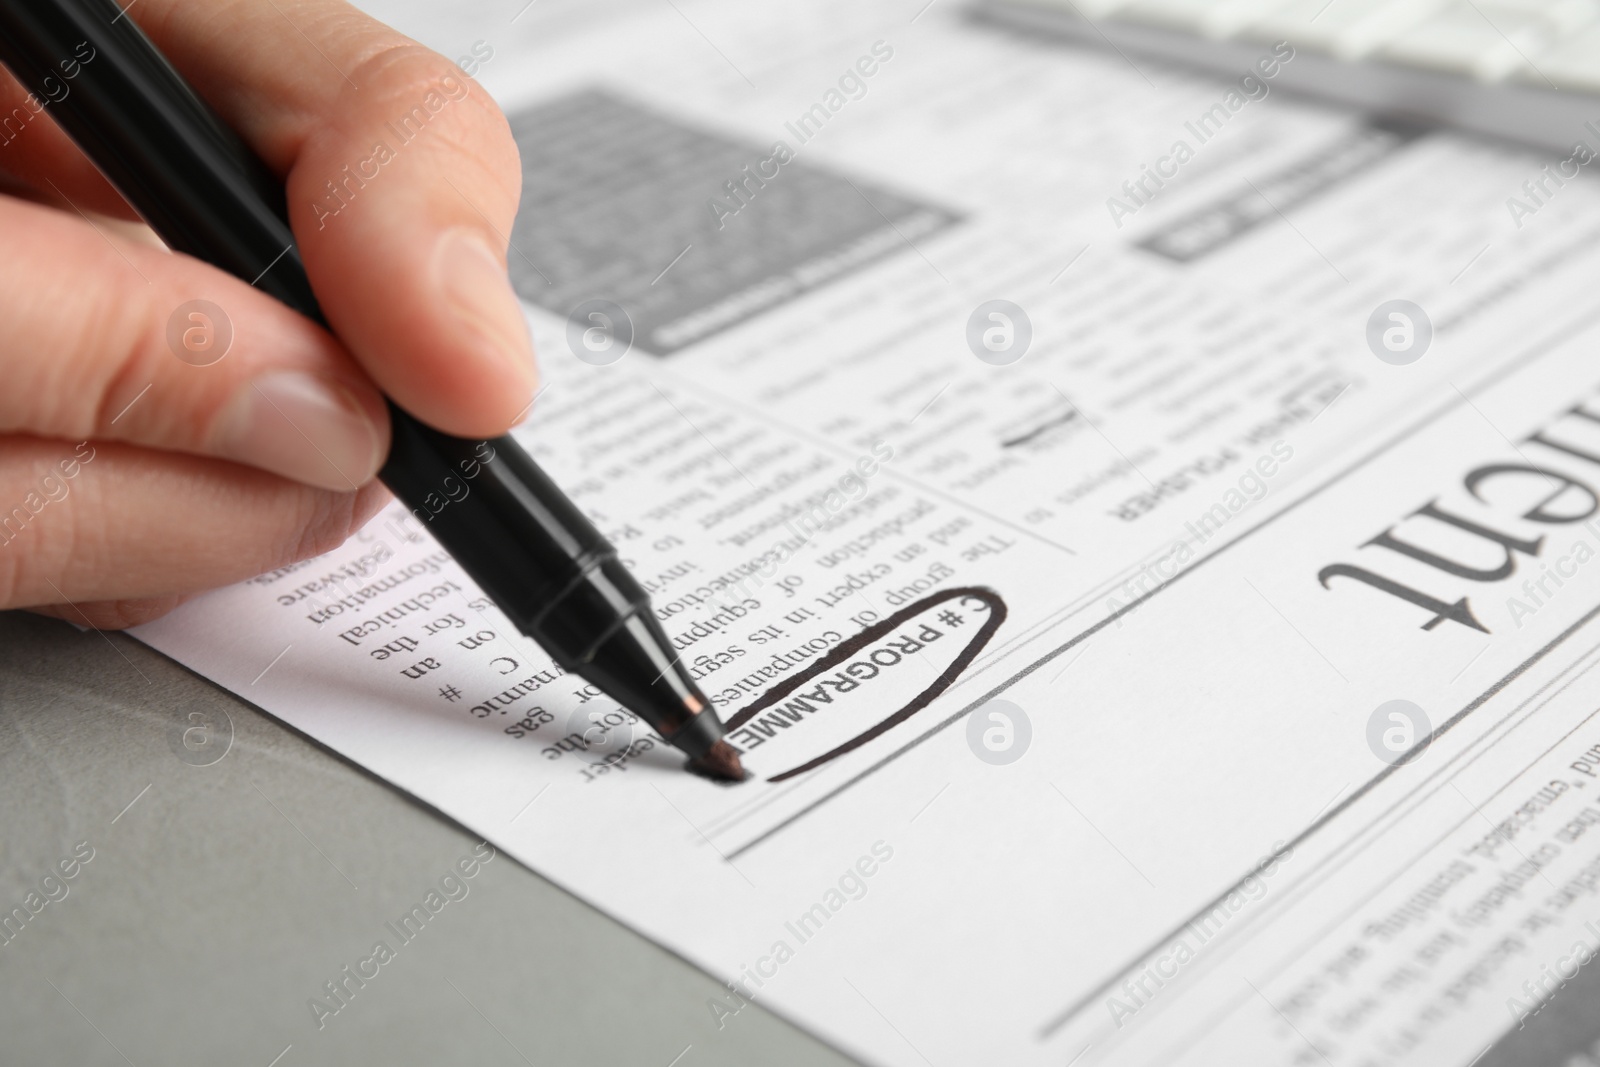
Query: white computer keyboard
(1528, 70)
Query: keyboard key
(1572, 65)
(1089, 9)
(1213, 18)
(1347, 28)
(1565, 15)
(1481, 41)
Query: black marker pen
(208, 195)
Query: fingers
(103, 342)
(130, 532)
(402, 180)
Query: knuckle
(80, 358)
(107, 348)
(126, 344)
(408, 89)
(82, 325)
(405, 72)
(326, 518)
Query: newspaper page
(1134, 525)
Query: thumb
(401, 204)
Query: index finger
(402, 181)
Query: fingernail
(301, 426)
(475, 285)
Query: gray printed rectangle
(617, 205)
(1216, 225)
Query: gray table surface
(221, 897)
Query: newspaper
(1135, 525)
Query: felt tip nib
(720, 762)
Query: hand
(130, 478)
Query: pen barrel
(549, 570)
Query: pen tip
(720, 762)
